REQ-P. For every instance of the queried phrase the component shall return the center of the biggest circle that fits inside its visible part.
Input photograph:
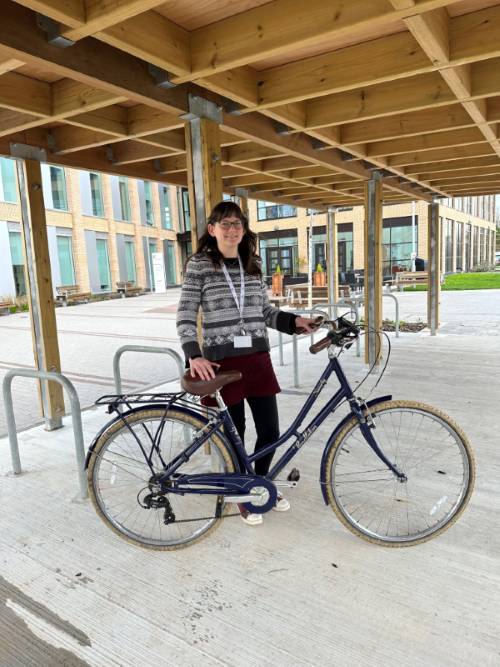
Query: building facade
(467, 225)
(101, 230)
(104, 229)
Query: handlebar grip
(320, 345)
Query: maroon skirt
(258, 378)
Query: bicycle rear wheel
(119, 478)
(423, 443)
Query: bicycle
(162, 472)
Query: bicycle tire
(106, 440)
(333, 476)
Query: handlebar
(342, 333)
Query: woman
(224, 277)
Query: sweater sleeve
(187, 312)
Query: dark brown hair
(247, 247)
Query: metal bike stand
(280, 348)
(142, 348)
(75, 415)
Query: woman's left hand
(305, 324)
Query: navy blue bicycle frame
(344, 392)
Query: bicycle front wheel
(423, 443)
(119, 479)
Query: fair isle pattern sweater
(205, 285)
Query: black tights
(265, 415)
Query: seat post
(220, 400)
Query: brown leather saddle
(199, 387)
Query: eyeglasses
(226, 225)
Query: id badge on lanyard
(243, 340)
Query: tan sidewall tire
(139, 416)
(352, 423)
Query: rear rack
(180, 398)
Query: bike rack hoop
(142, 348)
(76, 415)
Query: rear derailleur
(155, 500)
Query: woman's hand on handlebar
(202, 368)
(306, 325)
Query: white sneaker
(249, 518)
(282, 504)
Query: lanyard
(241, 302)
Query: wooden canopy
(313, 95)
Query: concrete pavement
(300, 589)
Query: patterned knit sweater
(206, 286)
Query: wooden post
(434, 266)
(39, 288)
(203, 162)
(242, 194)
(373, 268)
(333, 258)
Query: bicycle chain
(205, 518)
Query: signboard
(158, 267)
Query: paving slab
(298, 590)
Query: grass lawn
(461, 281)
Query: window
(65, 255)
(148, 204)
(165, 213)
(17, 259)
(448, 245)
(279, 248)
(269, 211)
(96, 195)
(103, 264)
(475, 246)
(58, 188)
(151, 250)
(185, 222)
(130, 262)
(8, 186)
(397, 244)
(124, 199)
(459, 244)
(345, 248)
(467, 243)
(171, 272)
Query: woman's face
(228, 232)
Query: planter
(319, 279)
(277, 284)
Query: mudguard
(178, 408)
(332, 438)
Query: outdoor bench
(127, 287)
(71, 294)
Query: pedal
(294, 475)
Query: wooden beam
(39, 288)
(284, 26)
(457, 164)
(380, 60)
(431, 30)
(68, 12)
(24, 94)
(154, 39)
(247, 152)
(373, 269)
(171, 165)
(425, 142)
(102, 14)
(126, 152)
(142, 120)
(459, 174)
(391, 97)
(441, 154)
(72, 97)
(413, 123)
(204, 171)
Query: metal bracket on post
(51, 29)
(281, 128)
(160, 76)
(319, 145)
(199, 107)
(110, 154)
(26, 152)
(231, 107)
